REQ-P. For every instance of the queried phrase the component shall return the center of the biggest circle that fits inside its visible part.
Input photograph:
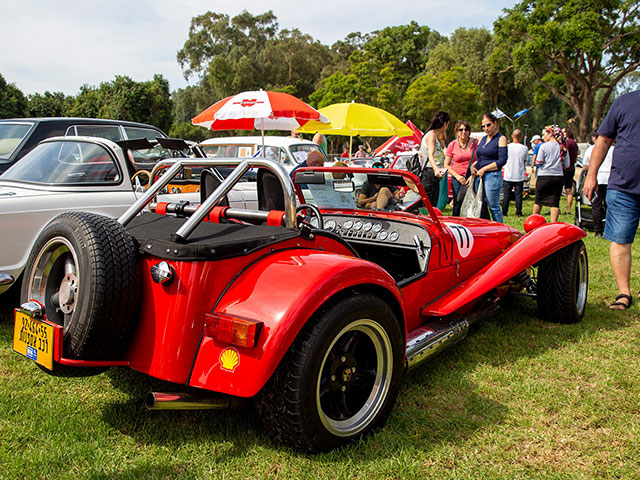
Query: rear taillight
(242, 332)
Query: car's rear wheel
(340, 378)
(82, 268)
(562, 284)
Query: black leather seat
(209, 181)
(270, 192)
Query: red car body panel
(530, 249)
(312, 278)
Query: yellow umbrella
(357, 119)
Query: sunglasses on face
(486, 125)
(463, 129)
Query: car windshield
(401, 162)
(11, 134)
(302, 150)
(228, 150)
(337, 189)
(65, 163)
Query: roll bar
(173, 167)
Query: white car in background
(287, 151)
(78, 173)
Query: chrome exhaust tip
(187, 401)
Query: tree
(381, 66)
(49, 104)
(225, 51)
(574, 49)
(293, 62)
(124, 99)
(13, 103)
(87, 103)
(450, 91)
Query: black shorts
(567, 177)
(548, 191)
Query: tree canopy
(575, 49)
(12, 101)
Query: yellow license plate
(33, 339)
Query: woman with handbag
(458, 158)
(432, 156)
(490, 158)
(552, 157)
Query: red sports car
(315, 312)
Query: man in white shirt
(513, 173)
(598, 203)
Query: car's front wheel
(562, 283)
(340, 378)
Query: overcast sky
(59, 45)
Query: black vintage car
(18, 136)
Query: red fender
(283, 290)
(530, 249)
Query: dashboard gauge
(393, 236)
(348, 224)
(314, 222)
(330, 225)
(367, 226)
(377, 227)
(357, 225)
(382, 235)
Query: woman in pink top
(456, 160)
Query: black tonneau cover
(209, 241)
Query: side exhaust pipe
(429, 342)
(187, 401)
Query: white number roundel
(463, 236)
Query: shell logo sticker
(229, 359)
(463, 236)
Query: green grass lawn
(519, 398)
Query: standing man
(568, 173)
(622, 123)
(513, 173)
(360, 153)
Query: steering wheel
(136, 181)
(314, 211)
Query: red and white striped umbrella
(260, 110)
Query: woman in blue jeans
(490, 158)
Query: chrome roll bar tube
(173, 167)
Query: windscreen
(11, 134)
(65, 163)
(338, 190)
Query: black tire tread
(280, 402)
(556, 298)
(105, 320)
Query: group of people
(499, 165)
(466, 160)
(612, 179)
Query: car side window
(66, 163)
(137, 132)
(110, 132)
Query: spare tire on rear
(83, 269)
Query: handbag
(472, 203)
(463, 188)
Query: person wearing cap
(360, 153)
(536, 141)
